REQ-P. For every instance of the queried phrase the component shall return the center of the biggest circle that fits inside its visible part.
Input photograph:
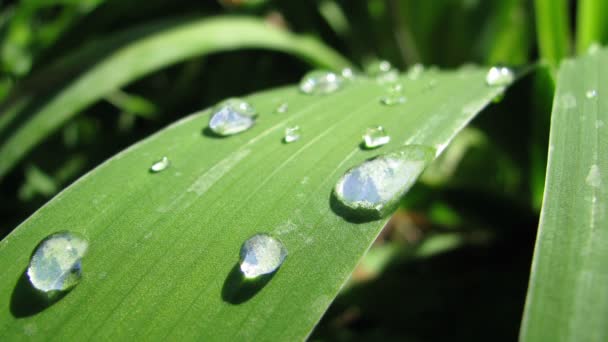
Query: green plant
(164, 247)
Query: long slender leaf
(163, 247)
(552, 30)
(591, 24)
(186, 39)
(567, 298)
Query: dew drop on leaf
(382, 71)
(320, 82)
(160, 165)
(594, 178)
(282, 108)
(55, 265)
(394, 96)
(261, 254)
(373, 189)
(232, 116)
(591, 94)
(499, 76)
(291, 134)
(375, 137)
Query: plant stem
(590, 24)
(552, 30)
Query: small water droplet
(593, 48)
(261, 254)
(320, 82)
(291, 134)
(282, 108)
(375, 137)
(499, 76)
(395, 95)
(382, 71)
(160, 165)
(415, 71)
(374, 188)
(348, 74)
(568, 101)
(593, 177)
(591, 94)
(232, 116)
(55, 265)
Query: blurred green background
(453, 263)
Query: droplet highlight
(375, 137)
(160, 165)
(499, 76)
(55, 265)
(382, 71)
(291, 134)
(232, 116)
(373, 189)
(261, 254)
(320, 82)
(591, 94)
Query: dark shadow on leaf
(211, 134)
(349, 214)
(237, 289)
(27, 301)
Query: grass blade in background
(552, 30)
(591, 26)
(163, 246)
(187, 39)
(567, 298)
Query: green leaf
(164, 247)
(552, 30)
(185, 39)
(567, 298)
(591, 27)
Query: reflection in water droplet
(382, 71)
(373, 189)
(291, 134)
(591, 94)
(282, 108)
(320, 82)
(160, 165)
(375, 137)
(593, 177)
(232, 116)
(499, 76)
(261, 254)
(56, 263)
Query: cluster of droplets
(371, 189)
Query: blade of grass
(552, 30)
(567, 298)
(591, 24)
(163, 247)
(184, 40)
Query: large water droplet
(499, 76)
(375, 137)
(320, 82)
(593, 177)
(232, 116)
(591, 94)
(373, 188)
(160, 165)
(261, 254)
(291, 134)
(56, 263)
(382, 71)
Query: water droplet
(499, 76)
(382, 71)
(348, 74)
(320, 82)
(415, 71)
(160, 165)
(261, 254)
(55, 264)
(593, 48)
(593, 177)
(282, 108)
(374, 188)
(232, 116)
(375, 137)
(591, 94)
(291, 134)
(395, 96)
